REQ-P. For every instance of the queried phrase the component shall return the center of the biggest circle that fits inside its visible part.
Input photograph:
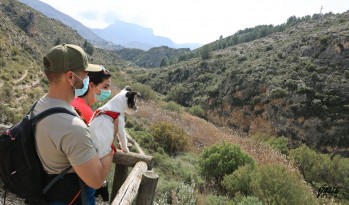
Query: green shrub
(8, 116)
(278, 93)
(172, 106)
(221, 159)
(146, 91)
(250, 200)
(180, 94)
(197, 111)
(279, 143)
(170, 137)
(185, 195)
(244, 181)
(307, 162)
(218, 200)
(282, 187)
(340, 171)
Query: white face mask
(81, 91)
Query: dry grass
(204, 133)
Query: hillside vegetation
(25, 36)
(293, 83)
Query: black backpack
(21, 170)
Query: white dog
(102, 125)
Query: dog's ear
(128, 88)
(139, 95)
(133, 94)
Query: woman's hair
(98, 77)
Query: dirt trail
(21, 78)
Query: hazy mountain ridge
(85, 32)
(135, 36)
(115, 36)
(293, 83)
(153, 57)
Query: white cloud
(193, 21)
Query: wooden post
(129, 189)
(120, 175)
(146, 192)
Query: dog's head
(124, 102)
(131, 100)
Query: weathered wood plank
(129, 189)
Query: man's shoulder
(46, 103)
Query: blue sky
(193, 21)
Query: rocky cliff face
(310, 105)
(293, 83)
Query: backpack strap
(54, 180)
(32, 108)
(48, 112)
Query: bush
(180, 94)
(278, 93)
(172, 106)
(341, 167)
(146, 91)
(170, 137)
(221, 159)
(244, 181)
(216, 200)
(197, 111)
(183, 194)
(279, 143)
(250, 200)
(280, 186)
(307, 162)
(322, 169)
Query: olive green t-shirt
(61, 139)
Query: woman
(98, 90)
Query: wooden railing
(139, 184)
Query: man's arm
(94, 171)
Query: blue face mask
(81, 91)
(105, 94)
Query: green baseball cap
(68, 57)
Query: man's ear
(69, 77)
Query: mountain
(154, 57)
(135, 36)
(289, 80)
(80, 28)
(25, 36)
(128, 35)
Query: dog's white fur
(102, 126)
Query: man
(63, 140)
